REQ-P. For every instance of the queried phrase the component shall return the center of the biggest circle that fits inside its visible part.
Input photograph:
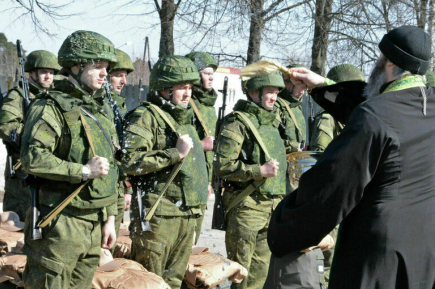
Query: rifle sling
(255, 184)
(99, 125)
(50, 216)
(289, 110)
(199, 117)
(174, 171)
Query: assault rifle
(30, 180)
(218, 221)
(118, 119)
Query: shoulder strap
(198, 115)
(99, 125)
(289, 110)
(163, 115)
(254, 131)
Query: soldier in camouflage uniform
(292, 132)
(57, 150)
(240, 161)
(153, 149)
(118, 78)
(325, 129)
(204, 97)
(41, 66)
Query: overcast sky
(93, 15)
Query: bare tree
(43, 14)
(322, 20)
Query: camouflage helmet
(41, 59)
(430, 78)
(202, 60)
(124, 62)
(259, 82)
(173, 70)
(84, 47)
(345, 72)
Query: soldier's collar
(204, 97)
(179, 114)
(264, 116)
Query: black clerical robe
(377, 179)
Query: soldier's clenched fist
(270, 169)
(184, 145)
(98, 166)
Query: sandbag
(8, 241)
(12, 268)
(123, 244)
(122, 274)
(206, 269)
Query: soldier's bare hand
(270, 169)
(207, 143)
(99, 166)
(109, 233)
(326, 243)
(309, 78)
(184, 145)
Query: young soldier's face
(269, 97)
(181, 94)
(94, 74)
(207, 77)
(118, 79)
(44, 76)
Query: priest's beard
(377, 78)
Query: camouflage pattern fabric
(202, 60)
(205, 101)
(67, 255)
(238, 161)
(430, 78)
(173, 70)
(86, 46)
(151, 154)
(345, 72)
(262, 81)
(124, 62)
(17, 196)
(166, 250)
(51, 154)
(55, 149)
(288, 130)
(41, 59)
(325, 129)
(120, 102)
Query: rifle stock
(218, 221)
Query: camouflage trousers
(199, 222)
(17, 197)
(166, 250)
(66, 256)
(246, 243)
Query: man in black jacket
(376, 178)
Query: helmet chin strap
(268, 108)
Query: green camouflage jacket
(205, 102)
(239, 156)
(120, 102)
(288, 130)
(11, 118)
(55, 148)
(150, 155)
(324, 129)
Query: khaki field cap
(10, 221)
